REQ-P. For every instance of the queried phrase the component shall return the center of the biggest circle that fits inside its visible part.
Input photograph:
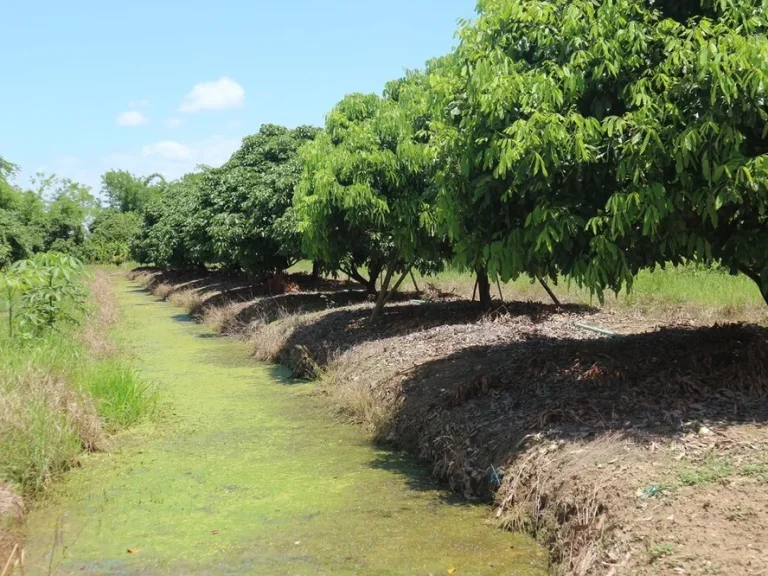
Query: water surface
(246, 474)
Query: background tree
(248, 202)
(174, 230)
(69, 207)
(15, 238)
(366, 196)
(595, 140)
(128, 193)
(111, 234)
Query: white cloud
(167, 150)
(174, 122)
(170, 158)
(223, 94)
(131, 118)
(173, 159)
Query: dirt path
(247, 475)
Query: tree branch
(755, 277)
(549, 291)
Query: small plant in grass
(655, 490)
(661, 551)
(711, 472)
(11, 289)
(41, 293)
(759, 471)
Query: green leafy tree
(67, 207)
(110, 236)
(596, 139)
(8, 193)
(367, 196)
(21, 218)
(174, 230)
(42, 292)
(248, 202)
(128, 193)
(17, 240)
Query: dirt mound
(546, 424)
(329, 335)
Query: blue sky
(162, 85)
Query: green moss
(247, 474)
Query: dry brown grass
(224, 319)
(352, 396)
(558, 492)
(268, 340)
(143, 279)
(11, 504)
(22, 393)
(12, 511)
(162, 290)
(189, 300)
(104, 313)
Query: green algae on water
(248, 475)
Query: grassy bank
(62, 392)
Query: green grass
(711, 472)
(37, 442)
(661, 551)
(689, 286)
(695, 285)
(757, 471)
(122, 397)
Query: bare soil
(642, 453)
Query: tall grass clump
(44, 425)
(122, 397)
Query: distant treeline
(560, 138)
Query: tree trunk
(374, 271)
(383, 292)
(369, 284)
(316, 265)
(416, 286)
(549, 291)
(483, 287)
(755, 277)
(386, 295)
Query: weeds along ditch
(64, 387)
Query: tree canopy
(367, 195)
(173, 233)
(128, 193)
(593, 140)
(248, 202)
(560, 138)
